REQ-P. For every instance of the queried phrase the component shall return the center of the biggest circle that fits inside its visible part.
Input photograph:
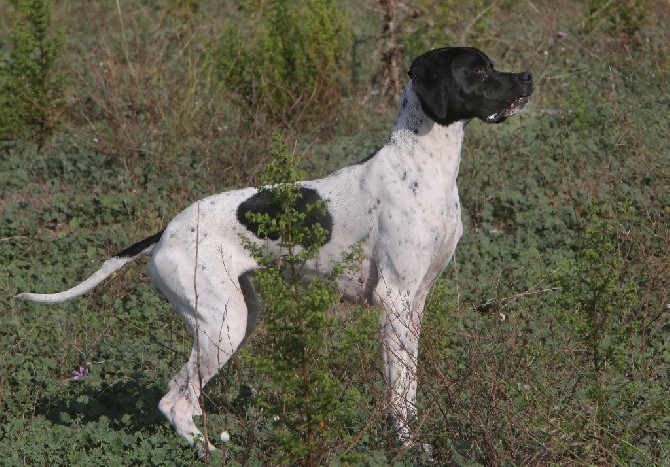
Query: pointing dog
(401, 203)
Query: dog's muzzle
(525, 80)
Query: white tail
(108, 267)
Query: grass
(545, 341)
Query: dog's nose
(525, 76)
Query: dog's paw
(425, 449)
(204, 448)
(205, 451)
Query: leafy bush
(292, 64)
(602, 301)
(615, 16)
(310, 406)
(30, 87)
(435, 24)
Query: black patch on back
(261, 203)
(139, 247)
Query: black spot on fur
(261, 203)
(140, 246)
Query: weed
(293, 65)
(30, 86)
(309, 405)
(616, 17)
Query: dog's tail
(110, 266)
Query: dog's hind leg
(253, 305)
(218, 332)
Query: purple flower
(561, 34)
(80, 374)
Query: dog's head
(458, 83)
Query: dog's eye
(481, 73)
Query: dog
(401, 203)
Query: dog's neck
(440, 145)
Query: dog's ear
(430, 74)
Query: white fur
(108, 267)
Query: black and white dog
(401, 203)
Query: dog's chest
(421, 208)
(418, 173)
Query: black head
(460, 83)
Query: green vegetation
(30, 90)
(292, 63)
(546, 341)
(304, 348)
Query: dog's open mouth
(515, 106)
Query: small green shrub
(448, 23)
(30, 87)
(603, 302)
(292, 63)
(616, 17)
(311, 408)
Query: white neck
(425, 142)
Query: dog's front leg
(401, 325)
